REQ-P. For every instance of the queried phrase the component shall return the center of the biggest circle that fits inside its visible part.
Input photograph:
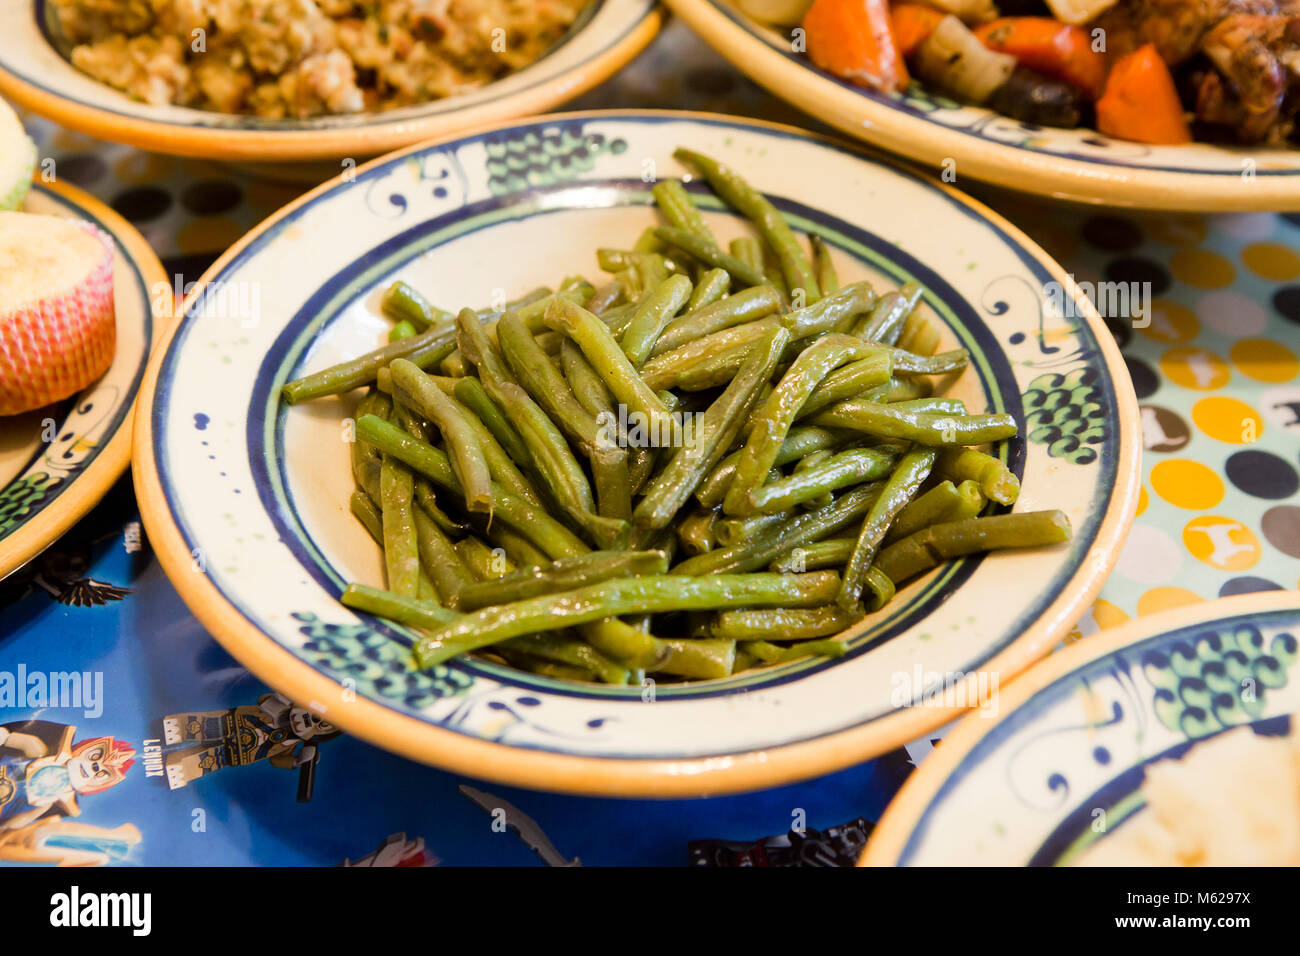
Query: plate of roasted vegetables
(597, 453)
(82, 299)
(1160, 105)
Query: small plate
(35, 75)
(58, 461)
(245, 500)
(1081, 165)
(1021, 785)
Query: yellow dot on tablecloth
(1265, 360)
(1100, 616)
(1202, 268)
(1187, 484)
(1195, 368)
(1221, 542)
(209, 234)
(1228, 419)
(1165, 599)
(1171, 322)
(1143, 500)
(1175, 230)
(137, 168)
(1271, 260)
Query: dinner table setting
(183, 586)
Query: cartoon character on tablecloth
(274, 729)
(42, 770)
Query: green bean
(803, 465)
(469, 392)
(919, 336)
(567, 650)
(605, 298)
(404, 303)
(465, 451)
(709, 254)
(886, 320)
(424, 350)
(777, 414)
(784, 623)
(518, 549)
(745, 306)
(697, 659)
(739, 194)
(608, 359)
(582, 378)
(928, 547)
(662, 370)
(401, 552)
(396, 607)
(900, 489)
(713, 287)
(829, 553)
(770, 653)
(709, 436)
(805, 529)
(501, 467)
(541, 666)
(775, 277)
(994, 478)
(897, 390)
(832, 313)
(733, 531)
(648, 241)
(799, 443)
(696, 532)
(370, 517)
(679, 209)
(824, 265)
(909, 363)
(653, 313)
(484, 563)
(617, 260)
(534, 523)
(613, 481)
(544, 383)
(880, 587)
(885, 421)
(842, 470)
(439, 557)
(567, 574)
(931, 406)
(402, 330)
(365, 460)
(428, 503)
(926, 510)
(622, 596)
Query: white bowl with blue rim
(246, 501)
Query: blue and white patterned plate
(1077, 164)
(246, 500)
(1055, 763)
(58, 461)
(35, 74)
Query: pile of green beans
(718, 459)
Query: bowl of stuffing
(306, 80)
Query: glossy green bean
(568, 650)
(824, 265)
(439, 557)
(886, 421)
(842, 470)
(424, 350)
(709, 254)
(485, 563)
(653, 313)
(744, 306)
(365, 511)
(886, 320)
(923, 550)
(428, 503)
(784, 623)
(567, 574)
(828, 553)
(544, 383)
(696, 532)
(396, 607)
(470, 393)
(712, 287)
(798, 443)
(733, 531)
(401, 551)
(622, 596)
(404, 303)
(909, 363)
(994, 478)
(679, 209)
(899, 490)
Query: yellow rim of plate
(92, 484)
(909, 805)
(1022, 170)
(686, 777)
(295, 146)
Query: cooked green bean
(829, 553)
(713, 287)
(439, 557)
(708, 437)
(425, 349)
(428, 503)
(995, 479)
(886, 320)
(613, 481)
(734, 531)
(567, 574)
(745, 306)
(709, 254)
(824, 265)
(770, 653)
(831, 313)
(469, 392)
(739, 194)
(679, 209)
(568, 650)
(401, 551)
(402, 330)
(784, 623)
(484, 563)
(653, 313)
(396, 607)
(885, 421)
(777, 414)
(899, 490)
(928, 547)
(798, 443)
(404, 303)
(534, 523)
(368, 514)
(464, 450)
(622, 596)
(909, 363)
(850, 467)
(518, 549)
(696, 532)
(544, 383)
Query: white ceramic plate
(57, 462)
(1068, 742)
(245, 501)
(1081, 164)
(34, 74)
